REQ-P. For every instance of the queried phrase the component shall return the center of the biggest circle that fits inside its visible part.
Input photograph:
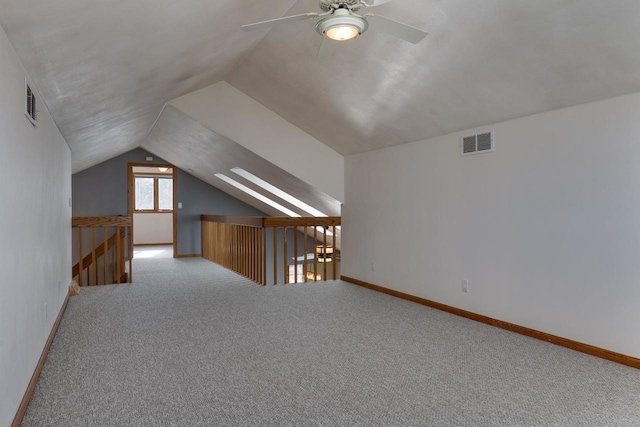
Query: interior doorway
(152, 205)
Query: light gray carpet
(192, 344)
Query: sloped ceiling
(203, 153)
(105, 69)
(483, 62)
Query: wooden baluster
(120, 258)
(221, 246)
(212, 241)
(315, 253)
(264, 256)
(94, 270)
(234, 247)
(259, 255)
(240, 250)
(295, 255)
(205, 240)
(80, 266)
(256, 254)
(245, 251)
(252, 254)
(225, 240)
(285, 264)
(275, 255)
(113, 260)
(334, 258)
(130, 252)
(324, 254)
(105, 256)
(306, 249)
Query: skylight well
(278, 192)
(275, 191)
(257, 195)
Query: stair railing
(110, 250)
(240, 244)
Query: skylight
(267, 200)
(278, 192)
(257, 195)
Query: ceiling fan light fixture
(342, 27)
(342, 32)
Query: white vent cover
(479, 143)
(30, 104)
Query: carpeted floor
(192, 344)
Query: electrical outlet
(465, 285)
(373, 266)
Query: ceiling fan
(339, 22)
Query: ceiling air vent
(30, 104)
(479, 143)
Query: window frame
(156, 201)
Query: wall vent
(479, 143)
(30, 104)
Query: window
(153, 193)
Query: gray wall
(102, 190)
(197, 198)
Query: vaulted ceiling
(106, 69)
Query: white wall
(546, 229)
(228, 111)
(35, 228)
(152, 228)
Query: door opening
(152, 203)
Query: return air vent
(479, 143)
(30, 104)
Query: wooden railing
(242, 244)
(107, 259)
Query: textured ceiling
(482, 62)
(105, 68)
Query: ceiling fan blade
(395, 28)
(279, 21)
(327, 47)
(374, 3)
